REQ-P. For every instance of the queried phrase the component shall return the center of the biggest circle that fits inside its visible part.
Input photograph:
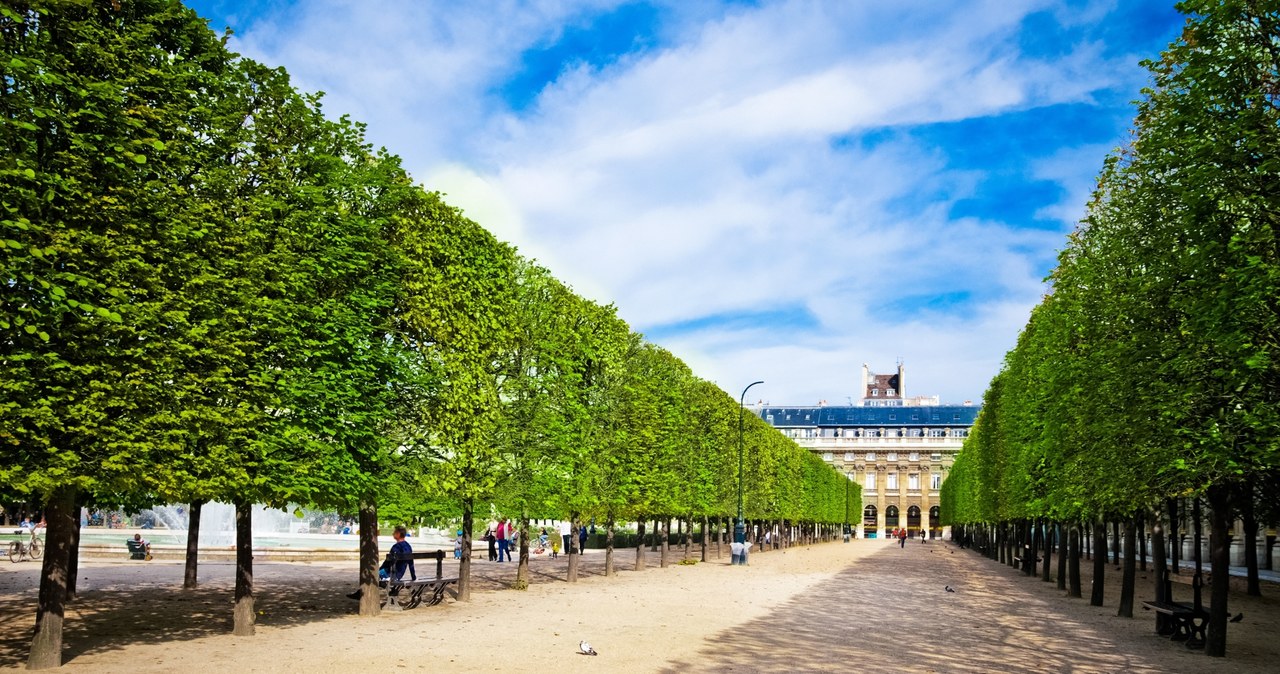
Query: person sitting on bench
(140, 547)
(401, 549)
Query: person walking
(902, 538)
(565, 531)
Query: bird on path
(948, 589)
(586, 649)
(1238, 618)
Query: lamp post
(740, 528)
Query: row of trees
(213, 292)
(1152, 370)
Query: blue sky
(771, 190)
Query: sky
(777, 191)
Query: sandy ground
(866, 605)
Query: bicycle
(21, 551)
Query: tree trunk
(657, 526)
(464, 567)
(640, 545)
(46, 643)
(370, 598)
(705, 531)
(1219, 556)
(666, 542)
(1115, 542)
(574, 552)
(1063, 554)
(1162, 569)
(1142, 541)
(1099, 563)
(1073, 561)
(1028, 548)
(73, 556)
(1250, 539)
(608, 546)
(1175, 540)
(243, 614)
(1129, 575)
(1087, 537)
(522, 566)
(688, 537)
(192, 565)
(1046, 569)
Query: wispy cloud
(780, 190)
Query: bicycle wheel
(15, 552)
(35, 548)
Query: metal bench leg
(438, 595)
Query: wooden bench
(408, 594)
(1185, 622)
(137, 549)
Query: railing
(864, 442)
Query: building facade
(898, 448)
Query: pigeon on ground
(586, 649)
(1238, 618)
(948, 589)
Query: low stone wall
(221, 554)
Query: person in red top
(504, 544)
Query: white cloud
(707, 176)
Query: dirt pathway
(867, 605)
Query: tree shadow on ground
(892, 613)
(126, 604)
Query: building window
(935, 482)
(960, 433)
(913, 482)
(871, 456)
(871, 481)
(934, 417)
(893, 456)
(826, 456)
(848, 456)
(893, 417)
(915, 417)
(913, 456)
(892, 481)
(888, 392)
(875, 392)
(937, 433)
(935, 457)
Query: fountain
(294, 532)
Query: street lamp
(740, 529)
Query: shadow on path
(891, 613)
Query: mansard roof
(906, 415)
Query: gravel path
(866, 606)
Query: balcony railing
(872, 442)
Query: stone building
(898, 448)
